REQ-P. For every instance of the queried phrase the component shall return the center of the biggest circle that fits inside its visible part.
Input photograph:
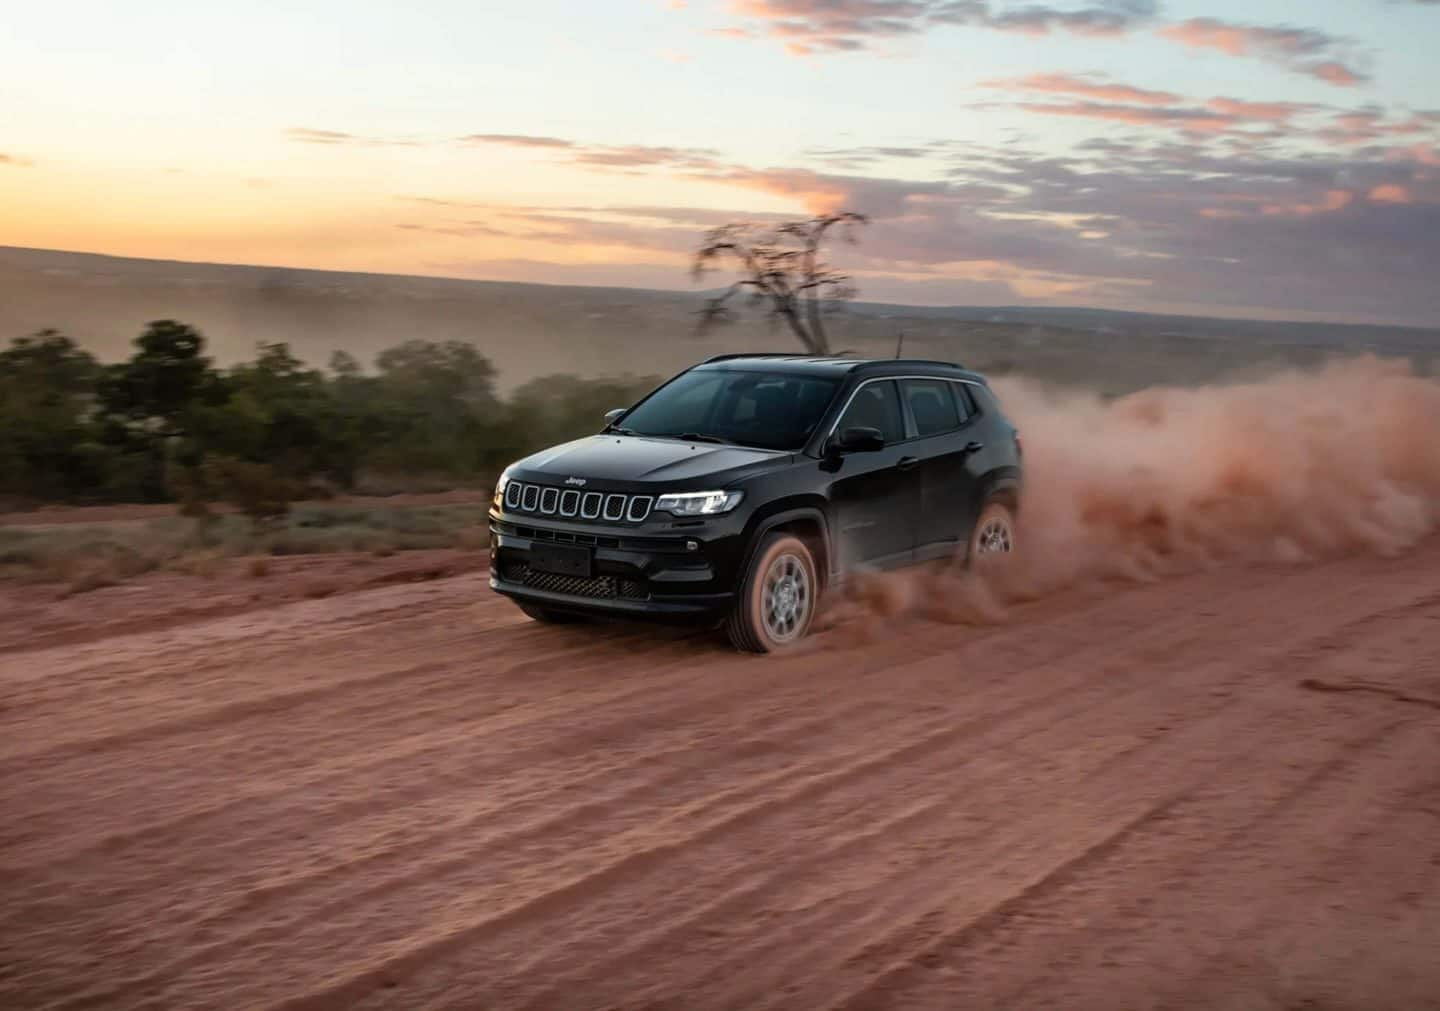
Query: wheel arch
(806, 519)
(1002, 483)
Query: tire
(777, 598)
(546, 616)
(993, 533)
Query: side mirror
(859, 440)
(613, 416)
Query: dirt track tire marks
(411, 797)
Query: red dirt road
(408, 796)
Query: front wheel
(777, 598)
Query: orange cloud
(818, 193)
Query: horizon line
(1013, 306)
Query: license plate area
(562, 560)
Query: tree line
(168, 425)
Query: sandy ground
(403, 794)
(51, 516)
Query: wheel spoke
(786, 593)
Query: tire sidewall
(753, 601)
(995, 508)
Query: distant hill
(533, 329)
(1340, 335)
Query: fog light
(692, 545)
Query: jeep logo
(578, 482)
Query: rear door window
(876, 405)
(932, 405)
(965, 400)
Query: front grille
(548, 500)
(593, 587)
(564, 536)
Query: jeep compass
(739, 491)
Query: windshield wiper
(616, 429)
(701, 437)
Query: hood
(606, 460)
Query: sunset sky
(1258, 158)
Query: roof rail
(857, 357)
(759, 354)
(914, 361)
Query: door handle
(973, 447)
(906, 462)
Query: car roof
(839, 365)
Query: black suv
(739, 490)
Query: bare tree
(783, 266)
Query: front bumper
(658, 570)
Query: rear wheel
(994, 535)
(548, 616)
(777, 598)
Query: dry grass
(92, 556)
(205, 563)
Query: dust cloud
(1286, 468)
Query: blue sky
(1267, 159)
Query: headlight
(500, 484)
(699, 503)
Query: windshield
(766, 410)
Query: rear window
(932, 404)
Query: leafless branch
(782, 266)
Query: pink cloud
(1179, 118)
(1425, 155)
(1208, 33)
(808, 27)
(1335, 72)
(1270, 112)
(1303, 50)
(1334, 200)
(517, 140)
(310, 135)
(1390, 194)
(1066, 84)
(1365, 125)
